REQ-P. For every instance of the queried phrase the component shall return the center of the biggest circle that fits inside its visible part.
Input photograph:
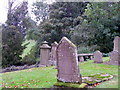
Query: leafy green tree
(61, 21)
(11, 46)
(40, 10)
(16, 15)
(13, 33)
(101, 23)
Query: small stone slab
(98, 57)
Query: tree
(11, 46)
(101, 24)
(16, 15)
(12, 34)
(61, 20)
(41, 11)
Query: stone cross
(53, 57)
(117, 44)
(98, 57)
(67, 62)
(44, 54)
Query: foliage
(29, 45)
(16, 15)
(11, 46)
(104, 20)
(12, 34)
(40, 10)
(60, 21)
(84, 49)
(31, 57)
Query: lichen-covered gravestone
(98, 57)
(67, 62)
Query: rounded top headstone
(45, 45)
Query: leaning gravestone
(97, 57)
(67, 62)
(44, 54)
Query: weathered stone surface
(114, 58)
(115, 54)
(44, 54)
(67, 62)
(53, 57)
(117, 44)
(98, 57)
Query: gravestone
(117, 44)
(114, 58)
(81, 59)
(53, 57)
(67, 62)
(44, 54)
(97, 57)
(115, 54)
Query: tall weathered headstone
(117, 44)
(115, 54)
(53, 57)
(67, 62)
(44, 54)
(98, 57)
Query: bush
(11, 46)
(105, 54)
(84, 49)
(31, 58)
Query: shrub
(84, 49)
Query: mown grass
(45, 77)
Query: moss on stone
(70, 85)
(92, 79)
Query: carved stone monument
(67, 62)
(44, 54)
(115, 54)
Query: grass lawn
(45, 77)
